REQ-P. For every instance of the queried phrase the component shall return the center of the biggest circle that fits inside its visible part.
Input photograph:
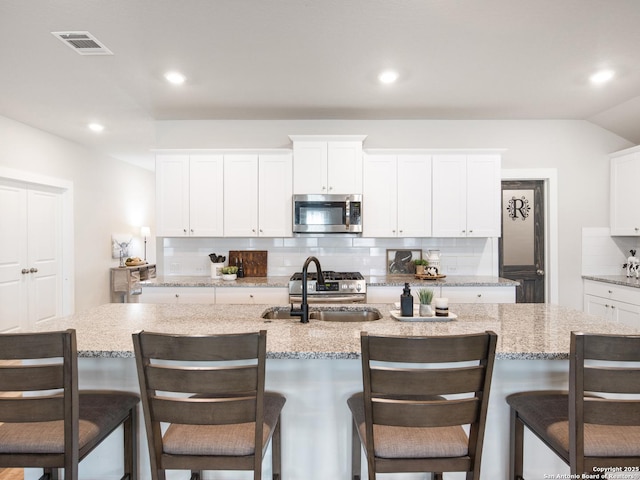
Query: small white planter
(229, 276)
(425, 310)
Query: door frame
(65, 187)
(549, 176)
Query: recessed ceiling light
(388, 76)
(175, 77)
(603, 76)
(96, 127)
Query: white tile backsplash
(459, 256)
(603, 254)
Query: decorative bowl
(229, 276)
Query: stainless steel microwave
(327, 214)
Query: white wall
(577, 149)
(109, 197)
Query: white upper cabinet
(275, 191)
(397, 195)
(257, 195)
(241, 195)
(625, 172)
(466, 196)
(327, 164)
(189, 195)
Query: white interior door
(30, 256)
(13, 257)
(43, 240)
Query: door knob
(540, 272)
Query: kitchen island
(316, 367)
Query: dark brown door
(522, 240)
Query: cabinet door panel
(626, 313)
(275, 195)
(206, 196)
(597, 306)
(624, 215)
(414, 196)
(309, 167)
(379, 215)
(240, 195)
(449, 195)
(172, 195)
(344, 167)
(483, 196)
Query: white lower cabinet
(613, 302)
(260, 295)
(479, 294)
(462, 294)
(178, 295)
(219, 295)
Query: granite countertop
(200, 281)
(372, 281)
(525, 331)
(615, 280)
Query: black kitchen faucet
(303, 312)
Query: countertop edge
(614, 280)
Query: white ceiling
(315, 59)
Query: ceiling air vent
(82, 42)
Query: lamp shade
(145, 231)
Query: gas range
(338, 287)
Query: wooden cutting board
(254, 261)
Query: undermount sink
(364, 315)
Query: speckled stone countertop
(194, 281)
(449, 281)
(525, 331)
(614, 279)
(377, 281)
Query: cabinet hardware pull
(25, 271)
(33, 270)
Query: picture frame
(400, 261)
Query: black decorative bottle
(406, 302)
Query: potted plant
(229, 273)
(425, 296)
(420, 264)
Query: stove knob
(358, 287)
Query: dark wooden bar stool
(50, 424)
(586, 427)
(404, 419)
(210, 390)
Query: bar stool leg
(356, 454)
(516, 444)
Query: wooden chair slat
(427, 381)
(441, 349)
(230, 380)
(613, 380)
(612, 412)
(612, 348)
(31, 377)
(31, 409)
(24, 346)
(200, 348)
(201, 411)
(432, 414)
